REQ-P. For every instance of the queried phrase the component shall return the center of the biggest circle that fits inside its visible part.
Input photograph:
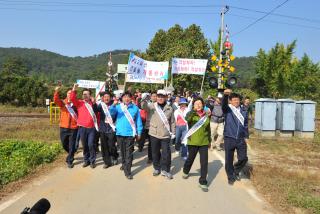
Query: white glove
(144, 96)
(173, 136)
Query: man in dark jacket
(107, 131)
(235, 132)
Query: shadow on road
(213, 170)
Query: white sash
(194, 128)
(237, 113)
(182, 115)
(71, 112)
(163, 117)
(94, 118)
(108, 116)
(129, 118)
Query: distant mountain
(51, 66)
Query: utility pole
(221, 70)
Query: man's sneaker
(231, 181)
(204, 187)
(121, 168)
(156, 172)
(184, 158)
(93, 165)
(237, 176)
(105, 166)
(185, 176)
(115, 162)
(85, 164)
(166, 174)
(130, 177)
(70, 165)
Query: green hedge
(18, 158)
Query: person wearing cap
(107, 131)
(88, 124)
(181, 126)
(198, 138)
(68, 124)
(217, 124)
(161, 130)
(128, 127)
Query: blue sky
(85, 28)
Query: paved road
(86, 190)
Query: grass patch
(25, 109)
(29, 129)
(287, 173)
(18, 158)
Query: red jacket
(66, 120)
(84, 117)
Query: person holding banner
(107, 131)
(235, 132)
(88, 124)
(162, 127)
(68, 124)
(198, 138)
(128, 127)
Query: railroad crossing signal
(221, 66)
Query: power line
(118, 5)
(109, 12)
(259, 19)
(277, 22)
(277, 14)
(86, 4)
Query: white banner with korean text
(143, 71)
(189, 66)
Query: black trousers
(231, 145)
(68, 139)
(108, 147)
(145, 135)
(161, 153)
(126, 148)
(203, 151)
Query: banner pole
(124, 84)
(204, 74)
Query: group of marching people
(125, 120)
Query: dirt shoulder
(287, 173)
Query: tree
(14, 66)
(181, 43)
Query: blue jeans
(87, 136)
(181, 131)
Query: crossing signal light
(213, 82)
(232, 81)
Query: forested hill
(51, 66)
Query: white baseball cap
(162, 92)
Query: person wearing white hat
(161, 131)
